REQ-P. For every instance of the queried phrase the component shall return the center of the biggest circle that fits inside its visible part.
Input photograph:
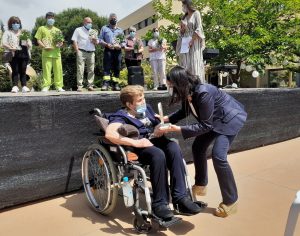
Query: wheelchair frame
(103, 167)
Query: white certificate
(185, 44)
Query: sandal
(199, 190)
(226, 210)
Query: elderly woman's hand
(142, 143)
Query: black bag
(7, 57)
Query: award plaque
(163, 125)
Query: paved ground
(267, 178)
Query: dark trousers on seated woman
(18, 66)
(132, 62)
(165, 154)
(222, 168)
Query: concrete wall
(43, 138)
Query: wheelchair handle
(96, 111)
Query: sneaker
(186, 206)
(116, 87)
(91, 88)
(105, 86)
(45, 89)
(60, 90)
(162, 87)
(25, 89)
(163, 212)
(79, 89)
(15, 89)
(199, 190)
(155, 88)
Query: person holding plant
(51, 39)
(111, 39)
(191, 41)
(17, 46)
(84, 40)
(133, 49)
(157, 51)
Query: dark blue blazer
(216, 111)
(121, 116)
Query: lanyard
(193, 109)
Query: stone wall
(43, 138)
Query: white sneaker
(15, 89)
(25, 89)
(45, 89)
(60, 90)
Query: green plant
(57, 37)
(120, 38)
(5, 81)
(25, 35)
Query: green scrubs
(51, 58)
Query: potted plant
(24, 36)
(58, 38)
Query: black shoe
(162, 87)
(186, 206)
(163, 212)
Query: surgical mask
(184, 9)
(113, 21)
(50, 21)
(156, 34)
(170, 90)
(140, 110)
(15, 26)
(132, 34)
(88, 26)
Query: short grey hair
(111, 15)
(132, 28)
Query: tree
(67, 21)
(255, 32)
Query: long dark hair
(183, 83)
(190, 6)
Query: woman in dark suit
(219, 118)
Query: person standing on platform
(50, 39)
(133, 49)
(219, 119)
(157, 51)
(84, 40)
(17, 46)
(111, 38)
(191, 42)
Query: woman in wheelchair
(155, 150)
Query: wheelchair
(104, 166)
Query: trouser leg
(14, 64)
(174, 159)
(107, 62)
(154, 68)
(22, 70)
(199, 149)
(80, 68)
(162, 71)
(155, 157)
(223, 170)
(58, 73)
(90, 62)
(47, 68)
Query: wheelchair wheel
(99, 179)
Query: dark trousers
(18, 66)
(164, 155)
(112, 62)
(219, 157)
(131, 62)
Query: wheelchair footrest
(166, 224)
